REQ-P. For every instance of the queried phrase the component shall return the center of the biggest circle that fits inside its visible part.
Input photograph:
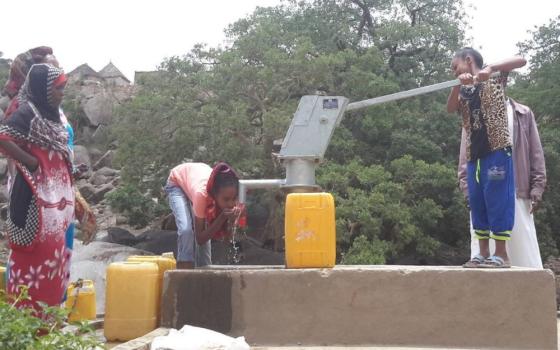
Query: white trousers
(523, 248)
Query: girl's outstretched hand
(466, 79)
(483, 74)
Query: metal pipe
(300, 172)
(408, 93)
(245, 185)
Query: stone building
(84, 74)
(113, 76)
(97, 94)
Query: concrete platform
(392, 306)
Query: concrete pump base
(403, 306)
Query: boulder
(121, 236)
(95, 154)
(157, 241)
(154, 241)
(101, 236)
(81, 155)
(99, 109)
(101, 134)
(116, 181)
(88, 88)
(168, 223)
(100, 193)
(99, 179)
(105, 171)
(250, 253)
(121, 220)
(106, 160)
(86, 135)
(87, 190)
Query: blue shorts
(492, 195)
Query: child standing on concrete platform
(481, 101)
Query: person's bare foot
(501, 252)
(484, 247)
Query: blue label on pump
(330, 103)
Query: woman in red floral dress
(41, 196)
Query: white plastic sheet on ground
(196, 338)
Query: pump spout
(245, 185)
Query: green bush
(139, 208)
(20, 330)
(364, 252)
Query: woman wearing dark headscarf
(41, 198)
(18, 72)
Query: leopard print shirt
(484, 113)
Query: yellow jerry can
(80, 301)
(164, 263)
(310, 232)
(168, 255)
(131, 300)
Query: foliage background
(392, 168)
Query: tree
(539, 90)
(540, 84)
